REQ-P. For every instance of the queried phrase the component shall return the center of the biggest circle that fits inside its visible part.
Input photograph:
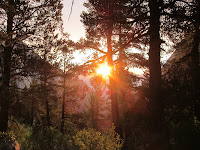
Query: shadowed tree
(99, 23)
(182, 13)
(155, 74)
(21, 20)
(107, 21)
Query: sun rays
(103, 70)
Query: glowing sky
(73, 25)
(75, 28)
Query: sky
(73, 26)
(72, 23)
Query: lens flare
(103, 70)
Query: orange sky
(75, 28)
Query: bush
(47, 138)
(21, 133)
(42, 138)
(91, 139)
(7, 141)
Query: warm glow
(137, 71)
(103, 70)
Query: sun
(103, 70)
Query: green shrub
(91, 139)
(42, 138)
(7, 140)
(47, 138)
(21, 133)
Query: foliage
(7, 140)
(187, 132)
(20, 131)
(119, 26)
(89, 139)
(98, 106)
(135, 130)
(46, 138)
(39, 137)
(21, 21)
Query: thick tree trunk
(121, 66)
(5, 98)
(122, 82)
(112, 84)
(158, 138)
(154, 65)
(5, 94)
(196, 65)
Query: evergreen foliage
(45, 104)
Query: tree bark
(5, 98)
(46, 91)
(158, 139)
(196, 64)
(63, 102)
(154, 65)
(32, 111)
(121, 67)
(112, 83)
(47, 104)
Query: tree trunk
(122, 82)
(154, 65)
(46, 99)
(5, 98)
(47, 106)
(63, 110)
(48, 114)
(195, 65)
(121, 65)
(32, 111)
(158, 138)
(121, 68)
(46, 91)
(63, 103)
(112, 83)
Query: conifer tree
(21, 20)
(108, 21)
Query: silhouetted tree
(21, 19)
(108, 21)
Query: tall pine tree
(21, 20)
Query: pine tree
(108, 21)
(21, 20)
(155, 72)
(99, 23)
